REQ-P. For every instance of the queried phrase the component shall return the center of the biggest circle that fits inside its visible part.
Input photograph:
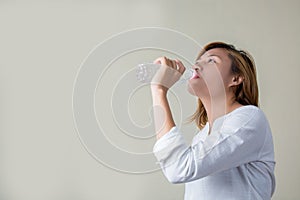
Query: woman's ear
(236, 80)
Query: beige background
(43, 43)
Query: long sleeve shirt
(235, 161)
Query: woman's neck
(217, 107)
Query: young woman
(232, 156)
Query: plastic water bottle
(146, 71)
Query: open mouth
(195, 76)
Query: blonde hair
(246, 93)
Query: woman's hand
(167, 75)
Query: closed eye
(211, 60)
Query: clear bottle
(146, 71)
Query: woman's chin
(191, 90)
(197, 89)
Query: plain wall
(42, 45)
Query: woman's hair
(246, 93)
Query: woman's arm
(240, 144)
(163, 118)
(169, 73)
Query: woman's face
(212, 74)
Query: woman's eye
(211, 60)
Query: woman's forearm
(163, 118)
(169, 72)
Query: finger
(181, 66)
(174, 65)
(169, 62)
(157, 60)
(161, 60)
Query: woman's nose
(198, 65)
(196, 68)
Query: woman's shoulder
(246, 113)
(244, 116)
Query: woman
(232, 157)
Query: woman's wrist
(158, 90)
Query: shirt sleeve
(238, 141)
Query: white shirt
(234, 162)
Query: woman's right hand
(167, 75)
